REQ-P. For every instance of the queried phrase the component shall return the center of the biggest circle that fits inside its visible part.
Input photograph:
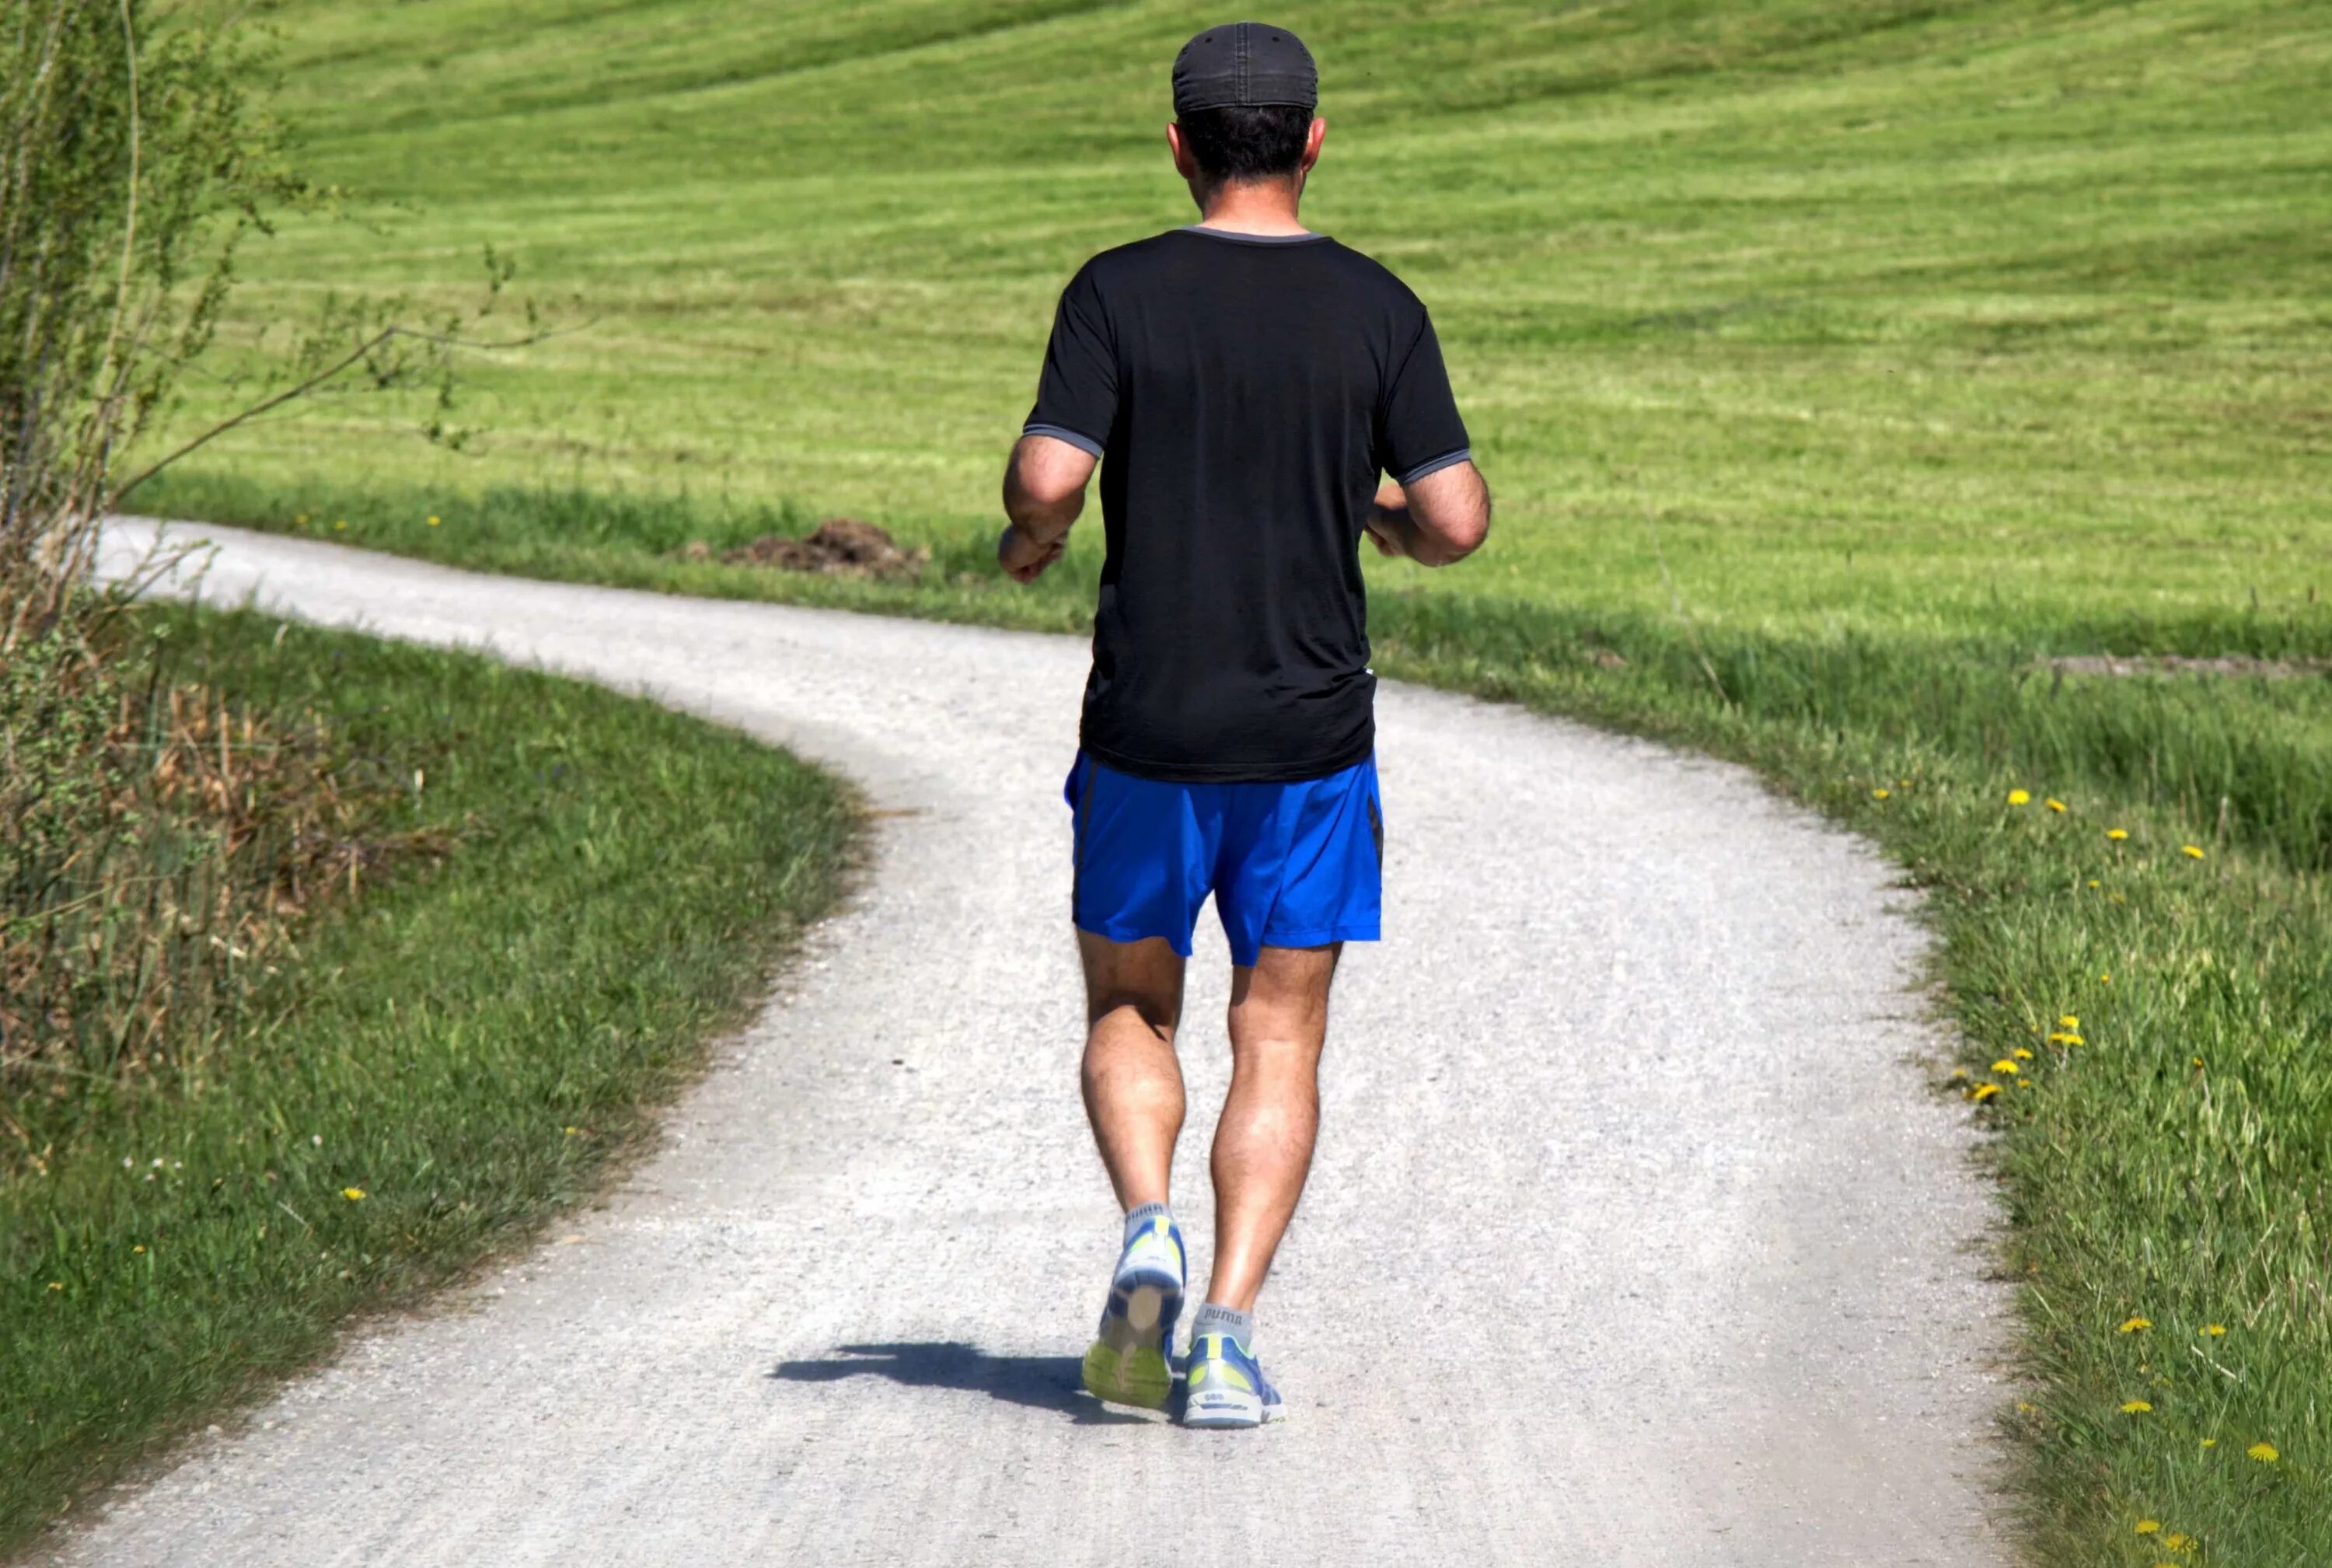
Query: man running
(1244, 384)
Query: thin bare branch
(130, 202)
(378, 340)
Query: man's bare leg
(1263, 1144)
(1133, 1098)
(1132, 1082)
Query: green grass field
(459, 1051)
(1836, 364)
(1892, 314)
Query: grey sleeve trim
(1062, 432)
(1434, 465)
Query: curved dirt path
(1634, 1239)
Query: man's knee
(1141, 979)
(1157, 1014)
(1279, 1057)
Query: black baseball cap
(1245, 64)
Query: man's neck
(1257, 207)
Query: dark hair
(1239, 142)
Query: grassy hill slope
(1891, 313)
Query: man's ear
(1312, 140)
(1184, 164)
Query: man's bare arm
(1443, 517)
(1044, 491)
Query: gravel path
(1634, 1237)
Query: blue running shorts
(1296, 865)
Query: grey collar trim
(1237, 238)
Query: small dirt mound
(838, 547)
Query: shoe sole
(1227, 1410)
(1127, 1365)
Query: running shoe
(1128, 1361)
(1226, 1387)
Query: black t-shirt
(1243, 393)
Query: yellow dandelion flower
(353, 1194)
(1878, 794)
(1984, 1092)
(2196, 1060)
(56, 1285)
(1959, 1072)
(2135, 1407)
(2105, 979)
(2263, 1452)
(141, 1247)
(432, 522)
(2131, 1325)
(2062, 1038)
(2116, 833)
(2005, 1066)
(342, 523)
(2068, 1021)
(2093, 882)
(2209, 1442)
(2020, 797)
(2178, 1541)
(2021, 1054)
(2216, 1330)
(2023, 1409)
(2149, 1527)
(2053, 804)
(2192, 852)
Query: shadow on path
(1043, 1382)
